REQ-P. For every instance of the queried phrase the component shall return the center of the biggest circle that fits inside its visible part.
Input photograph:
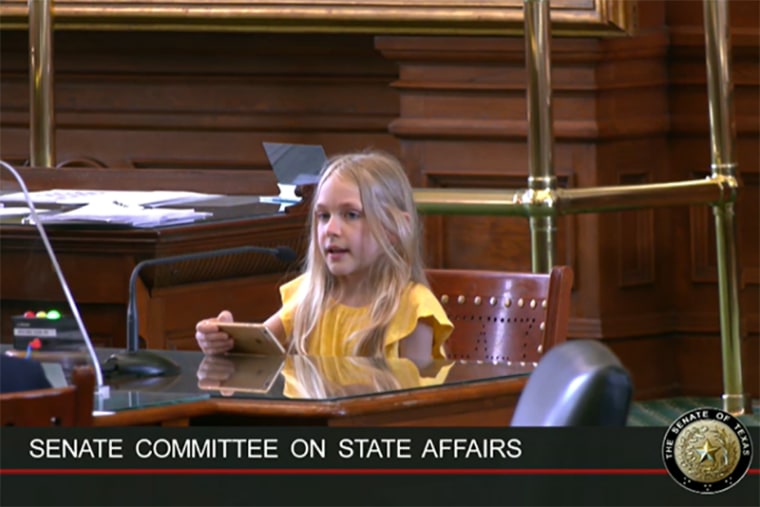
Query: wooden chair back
(504, 316)
(59, 406)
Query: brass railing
(541, 202)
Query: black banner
(348, 466)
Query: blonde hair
(392, 220)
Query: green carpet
(663, 412)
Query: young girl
(363, 291)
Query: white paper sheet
(116, 212)
(18, 211)
(133, 197)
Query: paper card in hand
(252, 338)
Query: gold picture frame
(606, 18)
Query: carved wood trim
(702, 247)
(636, 243)
(462, 17)
(622, 326)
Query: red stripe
(339, 471)
(332, 471)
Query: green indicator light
(53, 315)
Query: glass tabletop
(285, 378)
(118, 400)
(298, 377)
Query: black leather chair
(577, 383)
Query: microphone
(145, 363)
(101, 389)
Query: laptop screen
(296, 164)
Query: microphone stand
(101, 389)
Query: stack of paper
(17, 210)
(131, 197)
(115, 212)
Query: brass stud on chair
(492, 301)
(521, 302)
(542, 326)
(461, 299)
(507, 303)
(532, 303)
(543, 304)
(477, 300)
(445, 298)
(540, 348)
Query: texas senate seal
(707, 450)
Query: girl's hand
(210, 338)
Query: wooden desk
(97, 262)
(473, 394)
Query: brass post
(542, 182)
(723, 164)
(42, 107)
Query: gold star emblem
(707, 452)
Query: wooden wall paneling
(635, 289)
(462, 124)
(160, 100)
(635, 233)
(652, 363)
(478, 242)
(463, 109)
(699, 367)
